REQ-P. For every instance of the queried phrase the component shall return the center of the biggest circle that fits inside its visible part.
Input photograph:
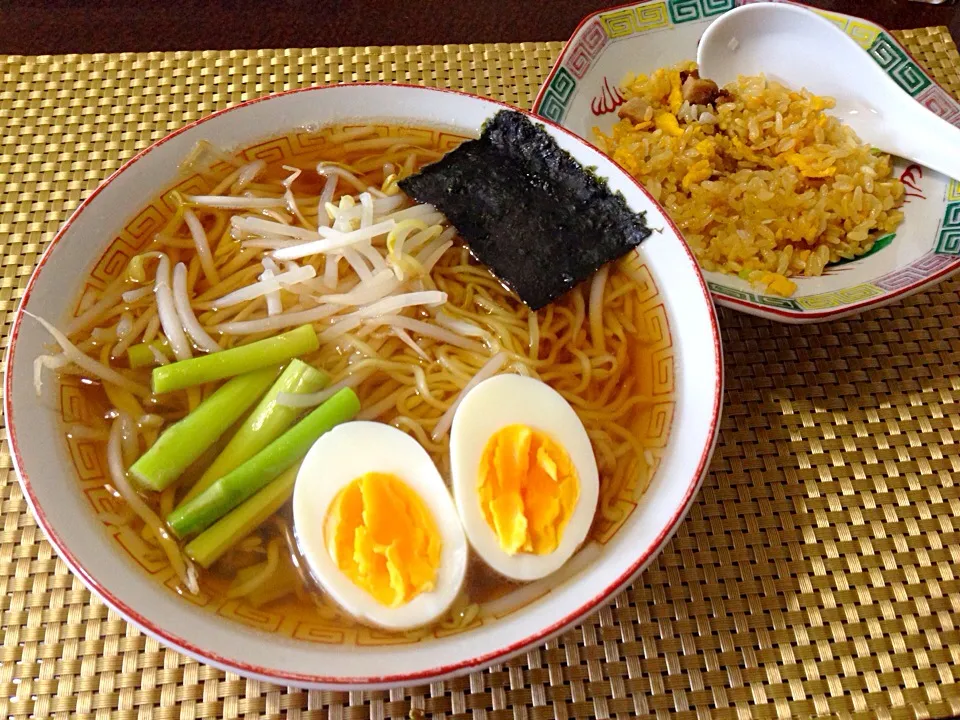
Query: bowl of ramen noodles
(363, 385)
(790, 214)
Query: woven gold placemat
(818, 573)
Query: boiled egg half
(524, 475)
(377, 527)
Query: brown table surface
(35, 27)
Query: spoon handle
(931, 140)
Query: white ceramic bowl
(582, 93)
(54, 492)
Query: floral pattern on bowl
(582, 93)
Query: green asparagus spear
(242, 359)
(185, 441)
(239, 484)
(208, 546)
(142, 355)
(264, 425)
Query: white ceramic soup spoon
(800, 49)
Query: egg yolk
(383, 537)
(528, 489)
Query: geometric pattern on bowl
(582, 92)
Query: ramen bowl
(63, 478)
(583, 92)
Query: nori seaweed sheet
(527, 210)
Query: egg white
(344, 454)
(510, 400)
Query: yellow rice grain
(765, 184)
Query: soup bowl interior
(48, 466)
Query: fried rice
(760, 180)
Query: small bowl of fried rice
(790, 214)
